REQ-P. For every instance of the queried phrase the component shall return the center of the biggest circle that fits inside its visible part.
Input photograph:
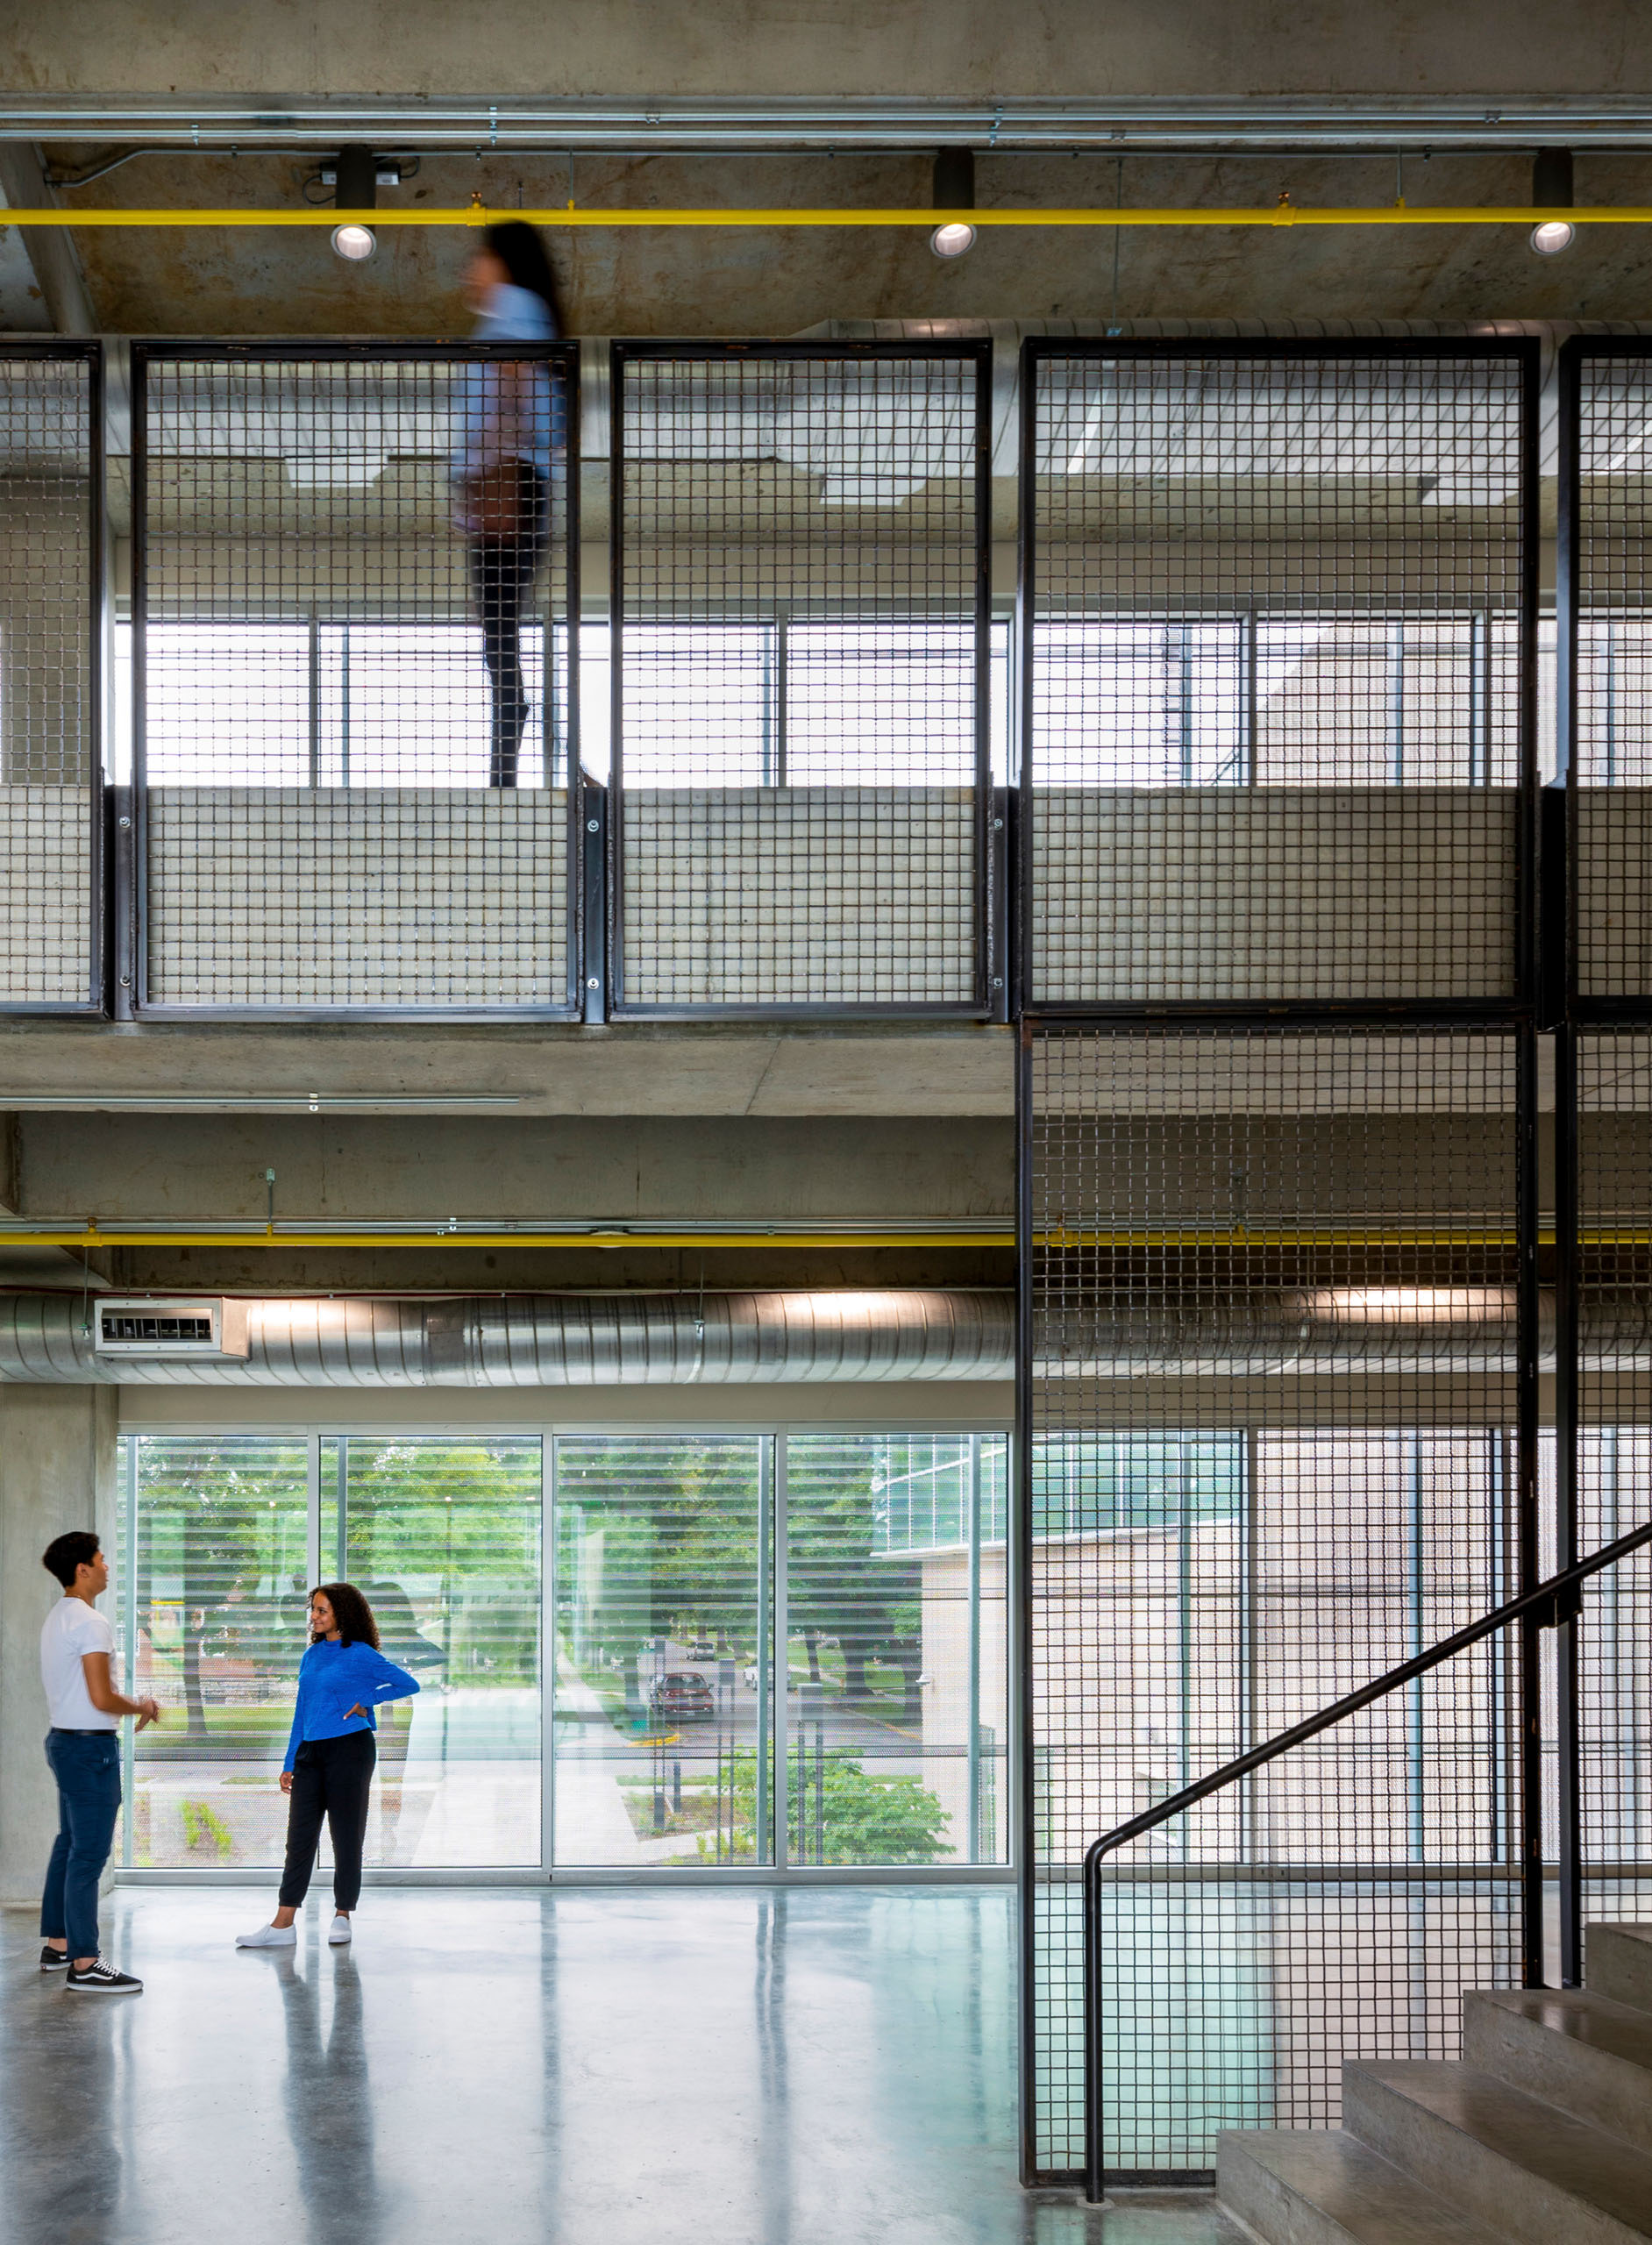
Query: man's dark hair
(522, 252)
(352, 1612)
(65, 1554)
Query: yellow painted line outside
(477, 214)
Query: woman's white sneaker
(268, 1937)
(338, 1932)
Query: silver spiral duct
(549, 1341)
(1334, 1332)
(742, 1339)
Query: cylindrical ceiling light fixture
(1552, 190)
(954, 189)
(356, 187)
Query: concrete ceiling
(1340, 58)
(729, 282)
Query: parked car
(701, 1650)
(681, 1696)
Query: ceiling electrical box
(211, 1327)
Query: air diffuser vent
(148, 1327)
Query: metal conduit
(549, 1341)
(744, 1339)
(1013, 122)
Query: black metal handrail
(1550, 1601)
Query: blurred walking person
(504, 466)
(77, 1646)
(331, 1754)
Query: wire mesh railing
(1278, 1434)
(51, 676)
(1278, 663)
(354, 603)
(1320, 1964)
(801, 678)
(1604, 607)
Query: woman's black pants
(331, 1778)
(503, 571)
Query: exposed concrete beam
(51, 251)
(973, 50)
(741, 1171)
(739, 1069)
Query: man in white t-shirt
(76, 1648)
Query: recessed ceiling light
(1553, 235)
(356, 244)
(953, 239)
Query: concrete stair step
(1574, 2048)
(1618, 1962)
(1312, 2186)
(1534, 2175)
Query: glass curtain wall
(758, 1649)
(225, 1536)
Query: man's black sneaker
(54, 1960)
(102, 1980)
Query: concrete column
(57, 1472)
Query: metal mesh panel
(50, 770)
(1611, 770)
(1615, 1469)
(1272, 719)
(800, 678)
(352, 602)
(1273, 1403)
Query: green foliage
(443, 1537)
(201, 1822)
(864, 1820)
(659, 1538)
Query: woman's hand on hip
(286, 1781)
(357, 1710)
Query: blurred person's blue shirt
(510, 412)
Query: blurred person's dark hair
(522, 252)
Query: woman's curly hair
(351, 1611)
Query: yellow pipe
(95, 1236)
(1279, 214)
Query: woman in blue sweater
(330, 1757)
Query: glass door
(217, 1580)
(663, 1729)
(441, 1534)
(895, 1649)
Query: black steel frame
(1568, 1013)
(88, 352)
(1524, 352)
(1518, 1014)
(988, 1000)
(131, 948)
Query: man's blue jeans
(87, 1766)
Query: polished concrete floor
(817, 2067)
